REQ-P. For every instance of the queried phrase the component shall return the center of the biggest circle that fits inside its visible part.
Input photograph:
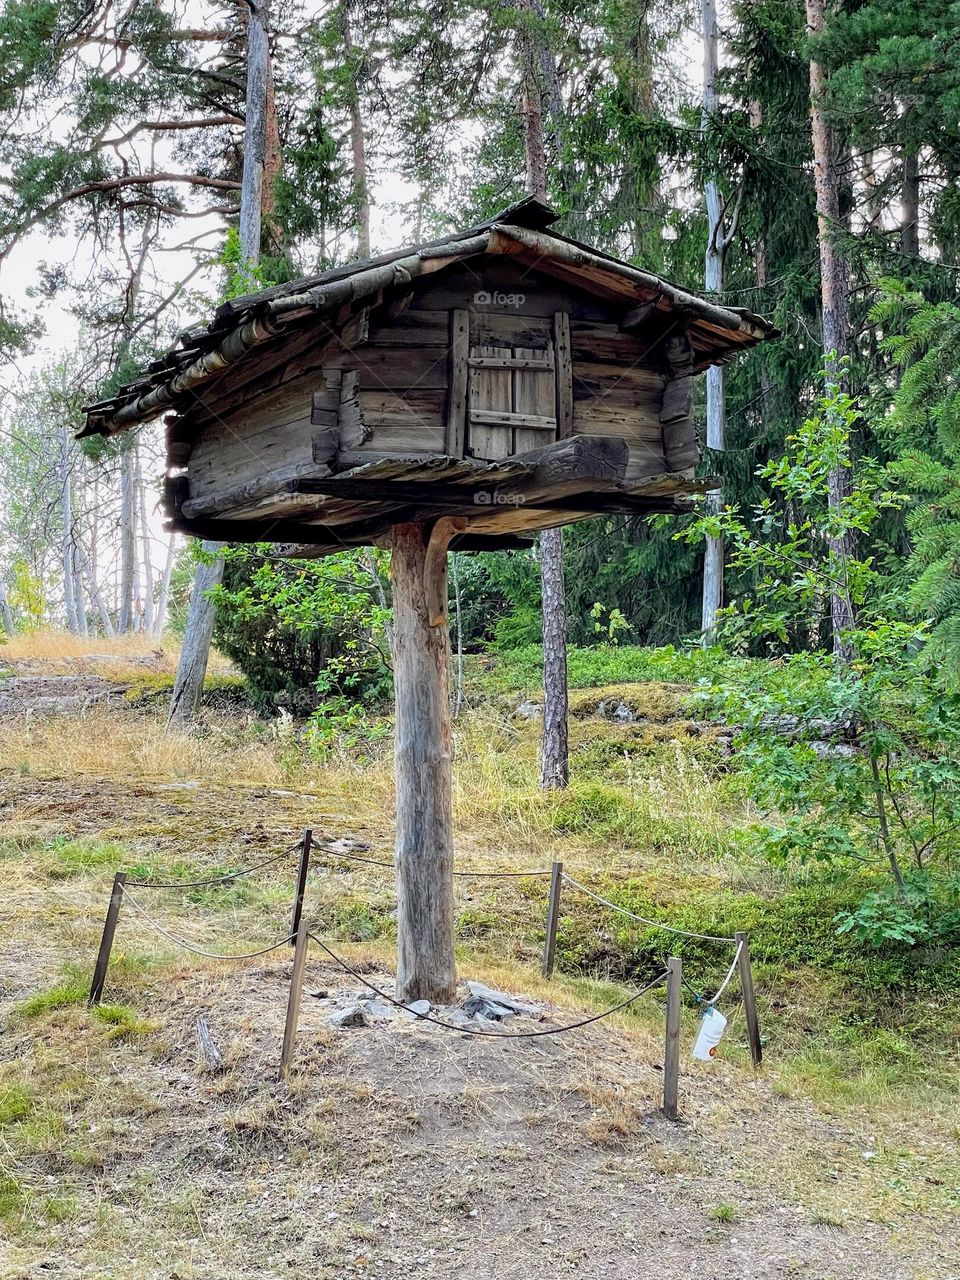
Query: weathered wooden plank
(534, 396)
(394, 368)
(490, 328)
(416, 328)
(597, 418)
(455, 435)
(498, 418)
(562, 346)
(233, 497)
(501, 284)
(524, 359)
(491, 390)
(599, 342)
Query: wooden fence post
(106, 939)
(671, 1049)
(749, 1000)
(293, 1000)
(305, 846)
(553, 917)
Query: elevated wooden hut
(505, 375)
(464, 392)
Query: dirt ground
(396, 1149)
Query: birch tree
(195, 654)
(721, 229)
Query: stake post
(305, 847)
(553, 918)
(293, 1000)
(106, 938)
(749, 999)
(671, 1050)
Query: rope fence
(300, 936)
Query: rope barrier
(654, 924)
(188, 946)
(730, 972)
(376, 862)
(231, 875)
(470, 1031)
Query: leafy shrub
(303, 632)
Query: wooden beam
(426, 969)
(562, 344)
(456, 425)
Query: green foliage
(857, 752)
(924, 427)
(305, 633)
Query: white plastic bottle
(712, 1026)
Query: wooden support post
(553, 916)
(106, 938)
(671, 1049)
(749, 999)
(305, 847)
(426, 969)
(293, 1000)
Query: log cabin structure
(461, 393)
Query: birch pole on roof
(198, 634)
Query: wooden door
(517, 388)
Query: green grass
(521, 669)
(724, 1213)
(64, 995)
(16, 1103)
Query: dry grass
(115, 657)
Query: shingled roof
(523, 231)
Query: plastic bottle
(712, 1026)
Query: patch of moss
(220, 693)
(650, 700)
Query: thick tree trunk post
(426, 969)
(834, 290)
(192, 667)
(554, 754)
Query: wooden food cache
(506, 376)
(458, 394)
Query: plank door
(515, 400)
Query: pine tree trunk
(426, 969)
(554, 753)
(536, 59)
(6, 617)
(834, 288)
(161, 610)
(145, 544)
(358, 147)
(192, 667)
(128, 539)
(66, 538)
(910, 205)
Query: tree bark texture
(554, 752)
(358, 146)
(192, 667)
(539, 84)
(910, 205)
(834, 291)
(423, 759)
